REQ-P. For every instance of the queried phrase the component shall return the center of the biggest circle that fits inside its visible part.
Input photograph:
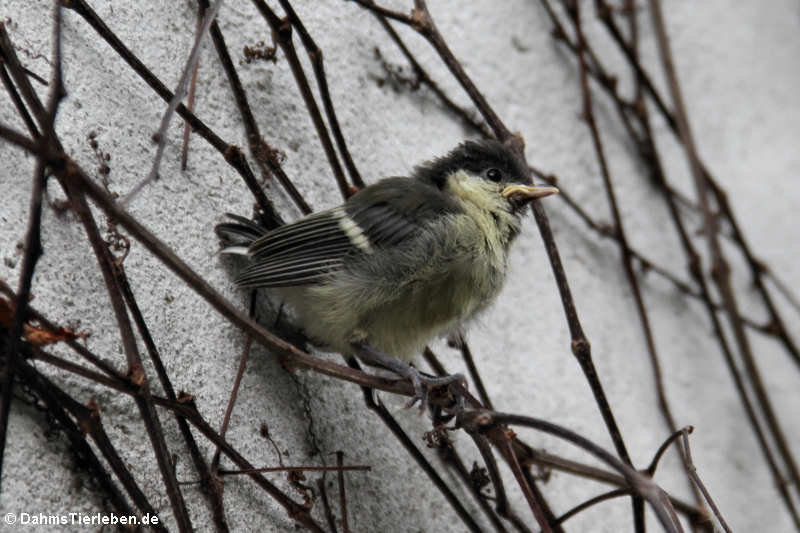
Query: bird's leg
(422, 383)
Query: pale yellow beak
(527, 192)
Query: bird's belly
(397, 315)
(426, 310)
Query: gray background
(738, 65)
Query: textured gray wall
(738, 66)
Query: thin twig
(482, 420)
(616, 493)
(232, 154)
(316, 58)
(282, 33)
(33, 250)
(210, 489)
(143, 399)
(179, 95)
(267, 157)
(326, 505)
(236, 383)
(448, 454)
(720, 269)
(187, 130)
(460, 343)
(309, 468)
(506, 449)
(342, 493)
(423, 77)
(502, 505)
(375, 405)
(693, 473)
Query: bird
(401, 261)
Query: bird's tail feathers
(236, 236)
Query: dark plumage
(474, 156)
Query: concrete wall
(738, 65)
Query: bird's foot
(422, 383)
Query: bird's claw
(421, 383)
(424, 384)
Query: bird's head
(486, 175)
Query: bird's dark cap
(475, 157)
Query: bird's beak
(522, 194)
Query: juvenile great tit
(400, 261)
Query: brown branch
(57, 402)
(180, 93)
(342, 493)
(693, 473)
(720, 269)
(282, 34)
(33, 250)
(375, 405)
(423, 77)
(232, 154)
(187, 130)
(460, 343)
(22, 111)
(143, 399)
(616, 493)
(508, 452)
(267, 157)
(309, 468)
(210, 489)
(484, 421)
(317, 63)
(236, 383)
(33, 237)
(387, 13)
(502, 505)
(326, 506)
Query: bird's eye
(494, 174)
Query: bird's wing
(309, 250)
(300, 253)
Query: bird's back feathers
(310, 250)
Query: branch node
(136, 375)
(420, 20)
(720, 270)
(581, 348)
